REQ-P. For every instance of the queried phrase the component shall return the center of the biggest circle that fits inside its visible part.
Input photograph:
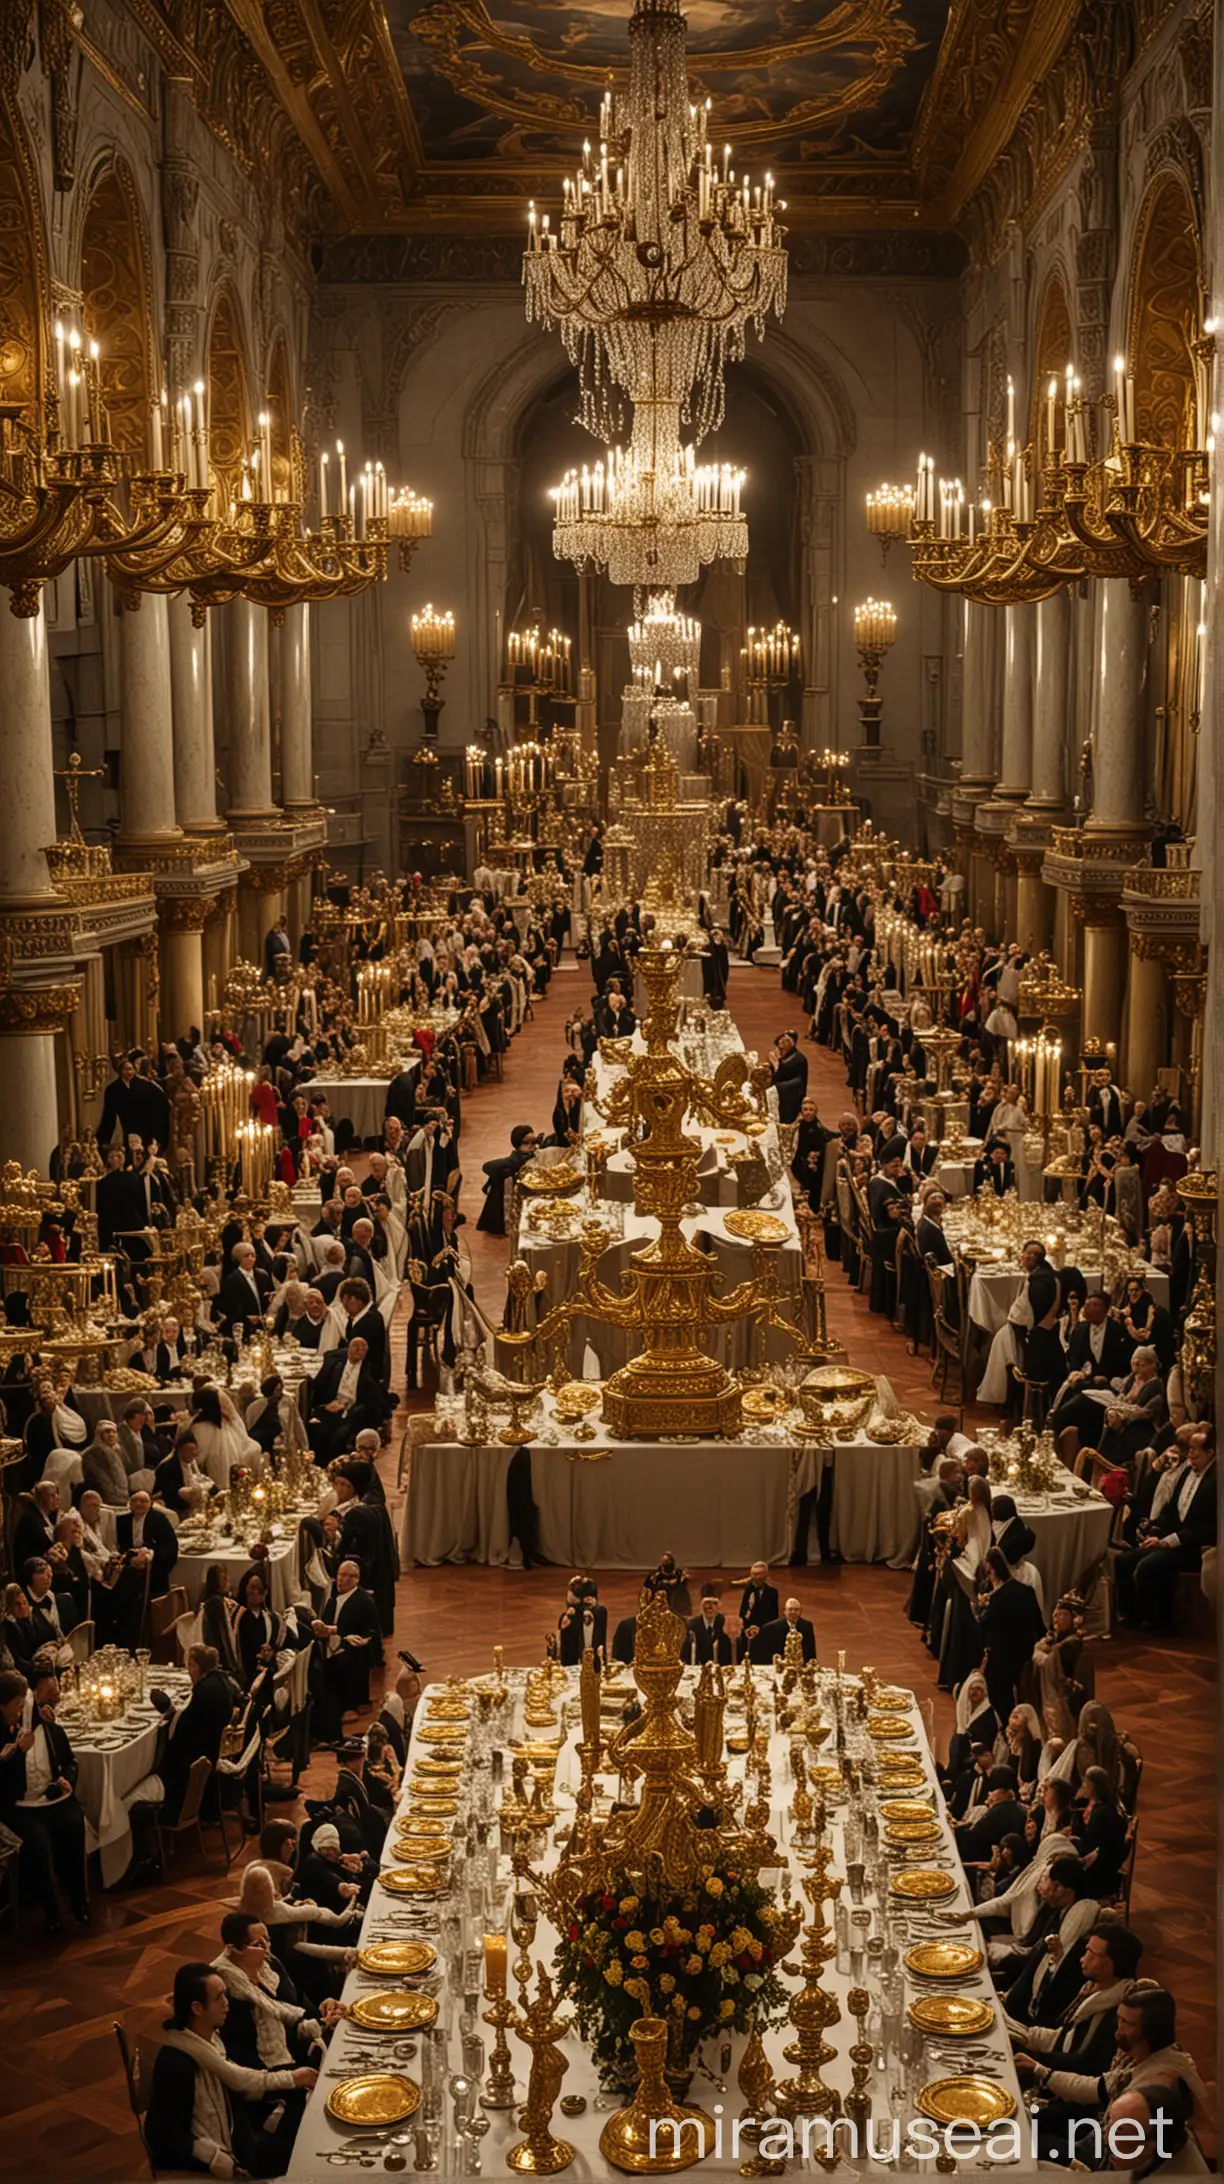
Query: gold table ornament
(753, 1225)
(813, 2009)
(397, 1959)
(966, 2098)
(374, 2101)
(654, 2135)
(955, 2016)
(394, 2010)
(538, 2025)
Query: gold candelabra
(813, 2009)
(668, 1294)
(433, 641)
(540, 2154)
(875, 632)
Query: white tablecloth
(105, 1778)
(191, 1568)
(718, 1504)
(994, 1288)
(1070, 1534)
(318, 2135)
(359, 1100)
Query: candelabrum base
(547, 2159)
(643, 1403)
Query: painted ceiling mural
(793, 83)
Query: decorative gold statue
(540, 2154)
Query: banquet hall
(610, 1085)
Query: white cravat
(39, 1773)
(138, 1525)
(1096, 1340)
(346, 1393)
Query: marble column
(250, 725)
(31, 1094)
(195, 758)
(1105, 959)
(1052, 628)
(182, 965)
(1119, 753)
(977, 770)
(1147, 1022)
(147, 725)
(1034, 910)
(26, 760)
(297, 758)
(1019, 642)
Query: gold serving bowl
(956, 2016)
(550, 1182)
(943, 1959)
(967, 2098)
(922, 1884)
(753, 1225)
(374, 2101)
(397, 1959)
(399, 2010)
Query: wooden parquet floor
(61, 2090)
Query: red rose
(573, 1932)
(743, 1961)
(607, 1903)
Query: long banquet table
(893, 2090)
(606, 1504)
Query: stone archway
(228, 394)
(801, 377)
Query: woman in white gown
(223, 1440)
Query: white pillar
(31, 1096)
(976, 768)
(1118, 757)
(1019, 634)
(1050, 701)
(182, 974)
(250, 726)
(27, 782)
(147, 724)
(195, 761)
(297, 760)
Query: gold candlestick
(862, 2056)
(755, 2080)
(812, 2010)
(654, 2135)
(499, 2087)
(540, 2154)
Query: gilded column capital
(29, 1011)
(185, 913)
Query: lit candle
(343, 476)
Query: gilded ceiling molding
(994, 55)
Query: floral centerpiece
(704, 1960)
(659, 1906)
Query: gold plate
(428, 1807)
(912, 1831)
(426, 1764)
(449, 1710)
(440, 1732)
(375, 2101)
(956, 2014)
(397, 1959)
(968, 2098)
(922, 1883)
(411, 1881)
(943, 1959)
(905, 1808)
(414, 1852)
(893, 1701)
(907, 1777)
(422, 1822)
(884, 1727)
(756, 1226)
(398, 2010)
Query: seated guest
(1157, 2140)
(196, 1732)
(17, 1626)
(242, 1299)
(103, 1467)
(758, 1605)
(139, 1445)
(331, 1875)
(268, 2026)
(38, 1803)
(347, 1641)
(346, 1395)
(259, 1632)
(361, 1318)
(706, 1637)
(771, 1640)
(1024, 1745)
(1038, 1976)
(178, 1480)
(994, 1170)
(312, 1942)
(35, 1529)
(204, 2109)
(1056, 1660)
(72, 1572)
(147, 1542)
(582, 1623)
(1120, 1427)
(218, 1614)
(1083, 2045)
(50, 1618)
(500, 1174)
(1002, 1814)
(977, 1725)
(624, 1639)
(1100, 1830)
(380, 1770)
(1146, 1577)
(1098, 1353)
(366, 1537)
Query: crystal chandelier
(665, 646)
(662, 258)
(652, 516)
